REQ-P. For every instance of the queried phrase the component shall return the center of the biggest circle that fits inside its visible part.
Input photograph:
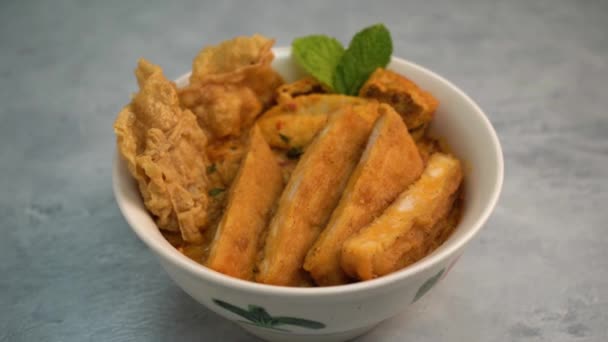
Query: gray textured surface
(71, 270)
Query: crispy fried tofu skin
(296, 122)
(311, 195)
(384, 246)
(242, 60)
(254, 191)
(388, 165)
(165, 151)
(415, 105)
(231, 84)
(224, 110)
(231, 60)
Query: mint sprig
(344, 71)
(318, 55)
(369, 49)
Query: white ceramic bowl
(339, 312)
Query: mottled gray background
(71, 270)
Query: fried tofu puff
(312, 194)
(388, 165)
(415, 105)
(256, 188)
(165, 152)
(381, 247)
(294, 123)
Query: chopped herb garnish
(294, 152)
(216, 191)
(211, 169)
(284, 138)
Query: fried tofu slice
(312, 194)
(252, 196)
(415, 105)
(423, 243)
(165, 152)
(388, 165)
(381, 247)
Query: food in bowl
(312, 183)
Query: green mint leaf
(318, 55)
(216, 192)
(284, 138)
(371, 48)
(294, 152)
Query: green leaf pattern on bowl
(258, 316)
(428, 284)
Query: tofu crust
(381, 247)
(388, 165)
(415, 105)
(312, 194)
(257, 187)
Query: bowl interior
(458, 120)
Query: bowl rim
(168, 252)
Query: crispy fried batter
(427, 147)
(226, 156)
(381, 247)
(287, 131)
(243, 61)
(415, 105)
(312, 193)
(304, 86)
(422, 243)
(224, 110)
(256, 188)
(230, 84)
(165, 152)
(295, 123)
(231, 60)
(388, 165)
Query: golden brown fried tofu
(222, 109)
(381, 247)
(426, 148)
(165, 151)
(304, 86)
(254, 192)
(230, 60)
(311, 195)
(286, 131)
(243, 61)
(423, 243)
(388, 165)
(415, 105)
(295, 123)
